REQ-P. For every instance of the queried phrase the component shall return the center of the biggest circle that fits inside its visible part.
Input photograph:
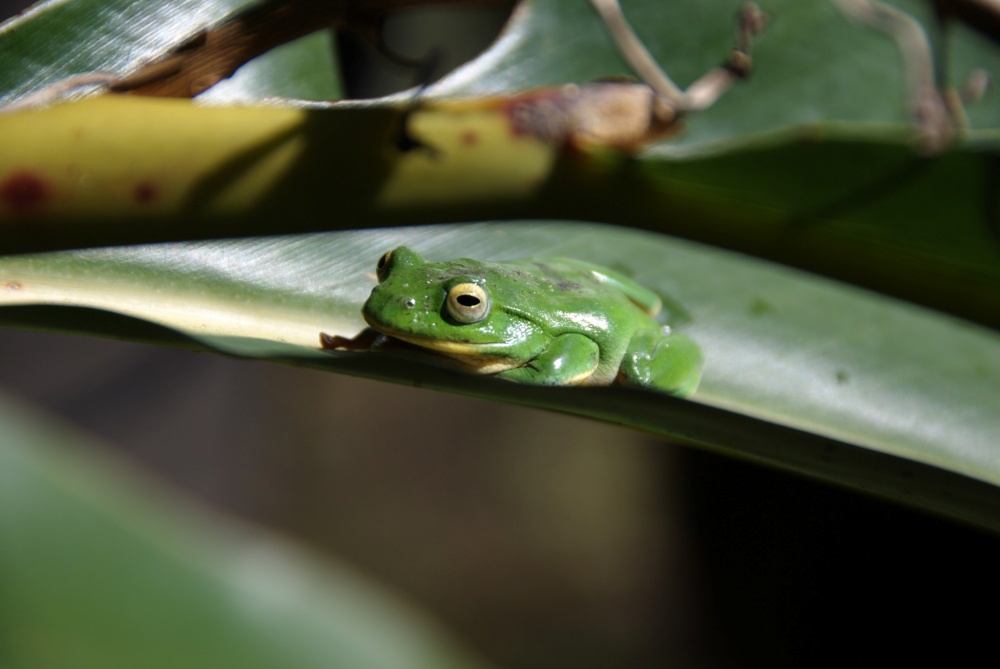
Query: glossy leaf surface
(780, 346)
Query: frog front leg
(669, 363)
(569, 360)
(363, 341)
(368, 339)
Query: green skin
(549, 321)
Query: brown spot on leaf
(469, 138)
(14, 285)
(145, 192)
(24, 191)
(544, 114)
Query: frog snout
(386, 304)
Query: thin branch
(636, 54)
(927, 105)
(704, 92)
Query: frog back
(640, 296)
(563, 295)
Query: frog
(550, 321)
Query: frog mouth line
(471, 354)
(442, 345)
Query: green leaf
(100, 567)
(896, 382)
(57, 39)
(301, 69)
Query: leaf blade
(780, 346)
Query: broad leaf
(782, 347)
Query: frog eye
(468, 303)
(382, 266)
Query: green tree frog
(549, 321)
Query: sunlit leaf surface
(780, 346)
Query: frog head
(450, 307)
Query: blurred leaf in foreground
(101, 568)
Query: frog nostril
(410, 303)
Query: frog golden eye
(382, 266)
(468, 303)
